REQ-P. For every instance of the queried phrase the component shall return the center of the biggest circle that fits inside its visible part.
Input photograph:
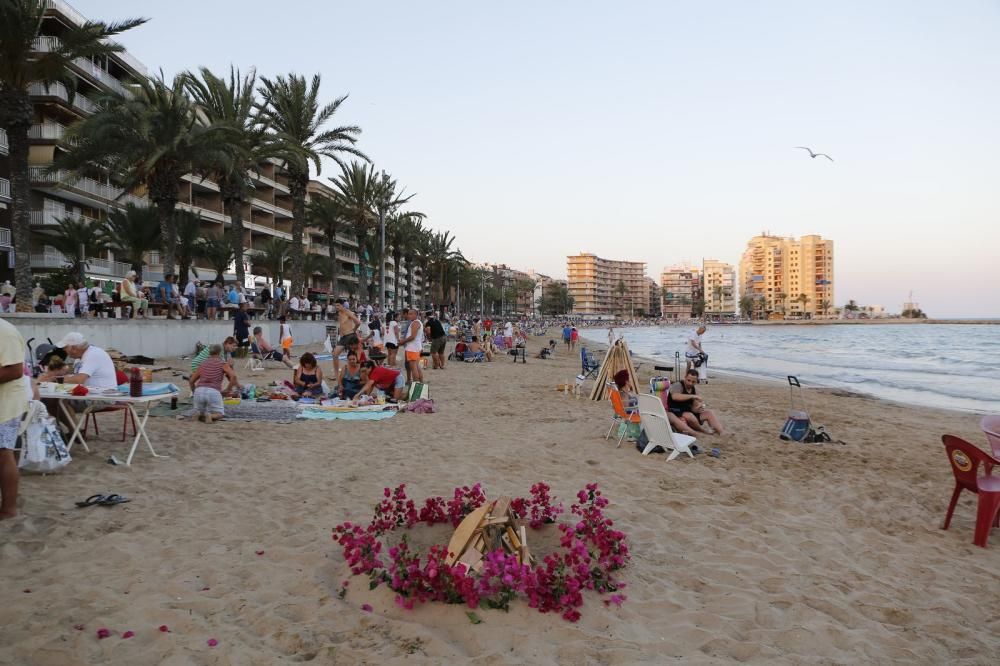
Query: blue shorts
(213, 303)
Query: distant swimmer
(815, 155)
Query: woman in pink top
(69, 299)
(206, 385)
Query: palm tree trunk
(18, 108)
(362, 263)
(234, 204)
(297, 183)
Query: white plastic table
(78, 419)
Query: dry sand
(775, 553)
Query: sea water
(952, 366)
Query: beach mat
(276, 411)
(325, 415)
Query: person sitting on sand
(308, 377)
(475, 347)
(267, 352)
(686, 410)
(387, 380)
(206, 385)
(228, 347)
(349, 379)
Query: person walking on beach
(574, 335)
(347, 326)
(439, 339)
(693, 349)
(567, 334)
(13, 405)
(285, 339)
(412, 344)
(391, 338)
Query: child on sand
(285, 338)
(308, 377)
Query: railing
(205, 213)
(40, 174)
(47, 131)
(53, 259)
(79, 19)
(50, 217)
(4, 145)
(4, 188)
(271, 208)
(81, 102)
(5, 238)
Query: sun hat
(72, 339)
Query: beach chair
(657, 427)
(990, 426)
(660, 386)
(590, 366)
(255, 360)
(965, 459)
(474, 357)
(621, 417)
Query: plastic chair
(658, 430)
(621, 417)
(965, 459)
(92, 418)
(660, 386)
(990, 426)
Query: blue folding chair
(590, 366)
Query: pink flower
(212, 642)
(103, 633)
(366, 608)
(128, 634)
(164, 628)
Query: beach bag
(418, 391)
(796, 427)
(43, 448)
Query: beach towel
(328, 415)
(421, 406)
(153, 388)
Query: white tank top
(417, 343)
(390, 333)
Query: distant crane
(814, 155)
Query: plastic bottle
(135, 383)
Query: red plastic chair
(92, 418)
(965, 459)
(991, 428)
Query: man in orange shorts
(412, 344)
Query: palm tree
(413, 256)
(188, 234)
(150, 140)
(327, 214)
(357, 188)
(272, 257)
(746, 305)
(441, 258)
(21, 65)
(803, 299)
(292, 111)
(77, 239)
(387, 202)
(824, 306)
(399, 232)
(782, 297)
(232, 102)
(131, 234)
(314, 265)
(218, 252)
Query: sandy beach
(774, 553)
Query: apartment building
(785, 277)
(606, 286)
(655, 300)
(719, 288)
(681, 290)
(6, 239)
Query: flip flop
(91, 501)
(111, 500)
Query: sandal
(111, 500)
(91, 501)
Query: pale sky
(656, 131)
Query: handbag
(43, 448)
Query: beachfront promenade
(776, 552)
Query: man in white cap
(130, 296)
(92, 366)
(13, 405)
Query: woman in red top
(386, 379)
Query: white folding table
(94, 400)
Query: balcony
(95, 266)
(48, 217)
(205, 213)
(4, 189)
(112, 195)
(47, 132)
(267, 230)
(5, 238)
(59, 91)
(78, 19)
(4, 145)
(271, 208)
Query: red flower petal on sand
(164, 628)
(205, 589)
(212, 642)
(128, 634)
(259, 552)
(366, 608)
(103, 633)
(79, 627)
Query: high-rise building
(606, 286)
(719, 288)
(784, 277)
(655, 309)
(681, 290)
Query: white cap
(73, 339)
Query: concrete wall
(156, 337)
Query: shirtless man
(348, 325)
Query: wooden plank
(464, 533)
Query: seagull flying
(815, 155)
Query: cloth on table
(153, 388)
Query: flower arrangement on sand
(590, 551)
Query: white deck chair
(657, 427)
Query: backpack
(796, 428)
